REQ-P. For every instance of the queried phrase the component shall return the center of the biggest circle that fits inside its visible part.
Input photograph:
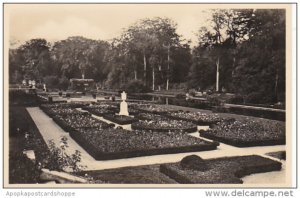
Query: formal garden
(155, 130)
(148, 107)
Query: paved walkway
(50, 130)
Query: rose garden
(151, 105)
(74, 136)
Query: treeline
(245, 47)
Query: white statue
(45, 89)
(123, 95)
(33, 84)
(124, 105)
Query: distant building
(82, 84)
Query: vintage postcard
(148, 95)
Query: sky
(103, 21)
(98, 21)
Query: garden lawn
(227, 170)
(106, 144)
(247, 132)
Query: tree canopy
(241, 51)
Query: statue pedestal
(124, 108)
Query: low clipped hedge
(226, 170)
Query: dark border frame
(205, 187)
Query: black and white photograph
(141, 95)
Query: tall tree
(261, 60)
(228, 29)
(81, 57)
(35, 59)
(154, 39)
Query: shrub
(194, 162)
(51, 81)
(20, 97)
(63, 83)
(22, 170)
(60, 160)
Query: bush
(60, 160)
(259, 98)
(51, 81)
(63, 83)
(20, 97)
(22, 170)
(136, 86)
(194, 162)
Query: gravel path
(50, 130)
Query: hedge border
(244, 171)
(241, 143)
(80, 139)
(118, 121)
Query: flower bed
(149, 116)
(120, 119)
(101, 110)
(278, 154)
(146, 174)
(198, 118)
(247, 132)
(106, 144)
(65, 105)
(53, 111)
(70, 122)
(153, 109)
(226, 170)
(164, 125)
